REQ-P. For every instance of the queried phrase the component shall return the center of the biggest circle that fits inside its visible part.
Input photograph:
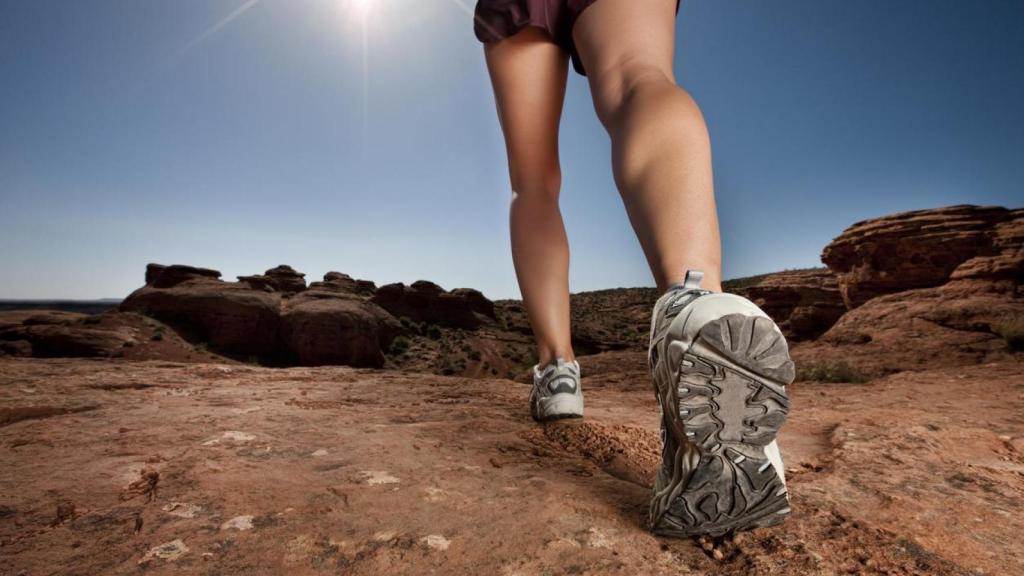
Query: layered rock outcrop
(50, 333)
(928, 288)
(275, 318)
(922, 249)
(272, 317)
(231, 317)
(425, 301)
(804, 303)
(316, 321)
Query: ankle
(545, 358)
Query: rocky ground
(191, 431)
(117, 467)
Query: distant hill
(81, 306)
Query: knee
(616, 86)
(536, 185)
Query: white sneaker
(556, 391)
(720, 367)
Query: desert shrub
(474, 354)
(157, 336)
(433, 331)
(1012, 331)
(830, 371)
(399, 345)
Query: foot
(556, 391)
(720, 367)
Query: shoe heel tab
(692, 279)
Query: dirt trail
(157, 468)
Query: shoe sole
(557, 407)
(728, 401)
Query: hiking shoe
(556, 391)
(720, 367)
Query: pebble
(374, 477)
(238, 523)
(436, 542)
(168, 551)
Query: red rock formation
(1007, 263)
(273, 316)
(49, 333)
(956, 324)
(285, 279)
(916, 249)
(231, 317)
(425, 301)
(804, 303)
(323, 326)
(340, 282)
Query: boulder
(425, 301)
(476, 300)
(231, 317)
(912, 250)
(258, 282)
(285, 279)
(340, 282)
(325, 326)
(161, 276)
(804, 303)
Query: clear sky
(238, 135)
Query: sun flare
(360, 9)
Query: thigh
(528, 73)
(621, 40)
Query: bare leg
(661, 154)
(528, 73)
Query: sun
(360, 9)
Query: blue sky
(135, 132)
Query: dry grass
(1012, 331)
(830, 371)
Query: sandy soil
(116, 467)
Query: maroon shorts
(497, 19)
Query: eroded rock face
(273, 316)
(1007, 263)
(50, 333)
(231, 317)
(161, 276)
(804, 303)
(425, 301)
(921, 249)
(339, 282)
(323, 326)
(956, 324)
(285, 279)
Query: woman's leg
(528, 73)
(661, 155)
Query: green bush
(433, 332)
(157, 336)
(399, 345)
(830, 371)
